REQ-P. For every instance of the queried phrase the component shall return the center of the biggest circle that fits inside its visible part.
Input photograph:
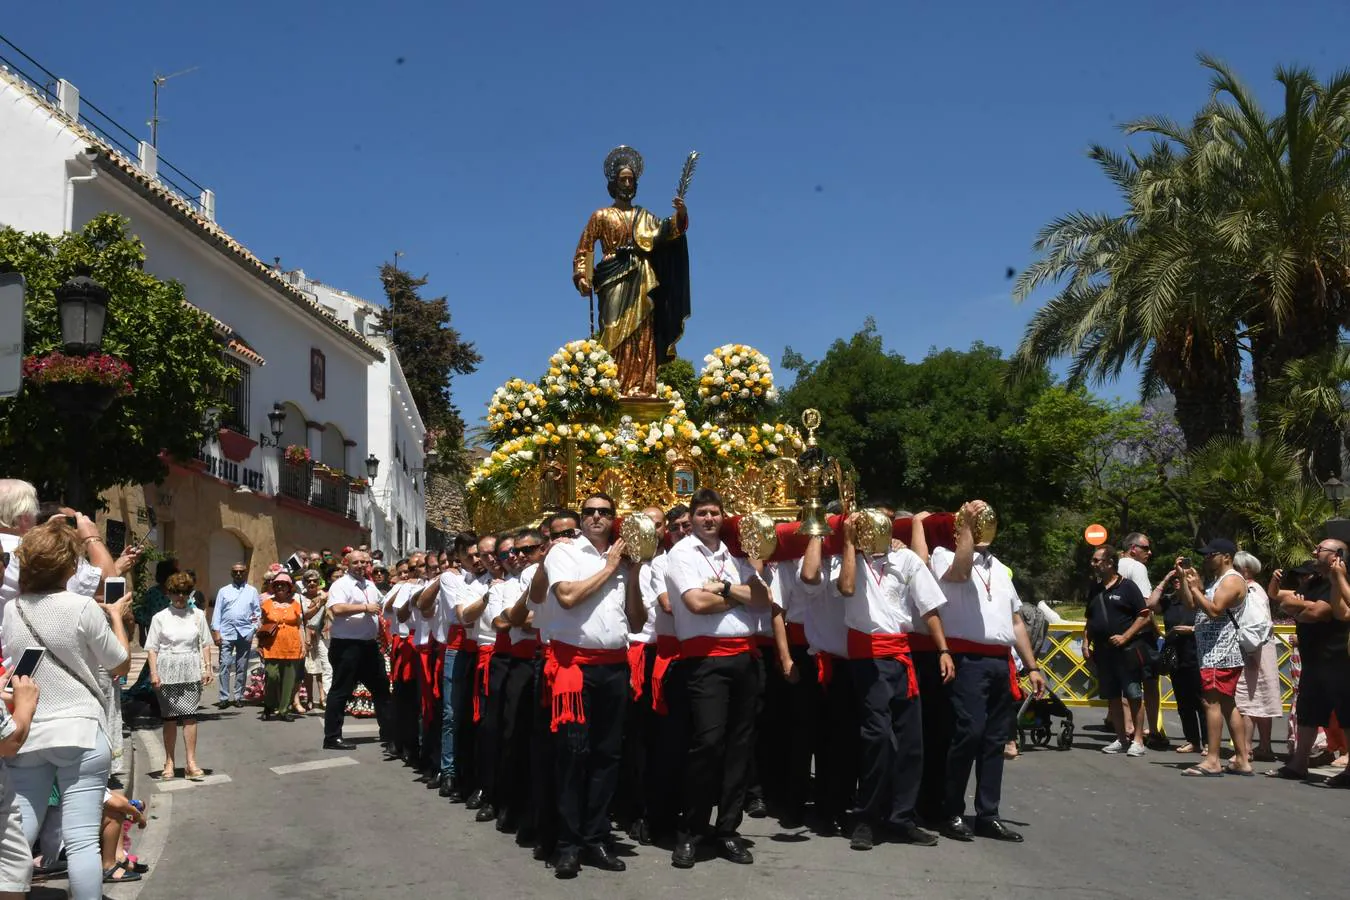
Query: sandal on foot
(1186, 748)
(167, 775)
(134, 862)
(1197, 772)
(196, 775)
(1287, 774)
(110, 875)
(1229, 770)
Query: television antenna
(158, 82)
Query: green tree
(1312, 410)
(679, 374)
(431, 353)
(177, 365)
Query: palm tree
(1142, 288)
(1312, 412)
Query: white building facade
(340, 387)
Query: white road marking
(332, 763)
(183, 784)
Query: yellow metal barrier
(1063, 666)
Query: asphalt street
(1096, 826)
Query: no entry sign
(1095, 535)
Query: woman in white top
(68, 742)
(1259, 693)
(178, 649)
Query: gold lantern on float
(813, 469)
(985, 525)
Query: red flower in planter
(99, 368)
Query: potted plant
(359, 485)
(297, 455)
(87, 384)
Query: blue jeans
(448, 712)
(234, 654)
(81, 776)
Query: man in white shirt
(355, 651)
(716, 599)
(897, 590)
(1133, 566)
(519, 700)
(494, 657)
(596, 602)
(641, 727)
(404, 665)
(453, 602)
(982, 623)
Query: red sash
(402, 660)
(706, 645)
(480, 676)
(667, 651)
(922, 643)
(637, 667)
(824, 668)
(503, 642)
(562, 672)
(862, 645)
(763, 641)
(455, 640)
(525, 649)
(994, 651)
(796, 634)
(430, 666)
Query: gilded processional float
(599, 420)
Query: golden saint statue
(642, 279)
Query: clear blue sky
(885, 159)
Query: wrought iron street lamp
(82, 304)
(276, 423)
(372, 466)
(1335, 490)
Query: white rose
(695, 451)
(668, 431)
(670, 455)
(526, 455)
(745, 392)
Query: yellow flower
(600, 451)
(594, 391)
(556, 439)
(759, 448)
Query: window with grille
(234, 399)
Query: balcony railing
(300, 483)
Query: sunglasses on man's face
(504, 555)
(601, 512)
(566, 533)
(526, 549)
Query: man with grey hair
(20, 511)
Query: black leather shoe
(733, 850)
(224, 704)
(996, 830)
(956, 829)
(450, 789)
(238, 704)
(642, 833)
(684, 856)
(475, 800)
(338, 744)
(756, 809)
(506, 823)
(288, 716)
(266, 716)
(486, 813)
(601, 857)
(912, 834)
(543, 852)
(568, 864)
(861, 838)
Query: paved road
(1096, 826)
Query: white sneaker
(1116, 746)
(1136, 750)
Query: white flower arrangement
(516, 408)
(582, 376)
(737, 383)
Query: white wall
(34, 147)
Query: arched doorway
(224, 549)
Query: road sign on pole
(1095, 535)
(11, 333)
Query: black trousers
(937, 735)
(587, 756)
(406, 697)
(798, 711)
(837, 777)
(639, 739)
(982, 724)
(490, 728)
(665, 769)
(466, 730)
(891, 733)
(355, 661)
(1190, 709)
(544, 797)
(518, 705)
(722, 693)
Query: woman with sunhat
(281, 640)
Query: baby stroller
(1036, 715)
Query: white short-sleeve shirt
(501, 596)
(891, 593)
(691, 566)
(597, 622)
(980, 609)
(524, 579)
(1132, 569)
(826, 631)
(361, 626)
(402, 593)
(664, 622)
(652, 586)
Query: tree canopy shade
(431, 353)
(177, 365)
(1233, 240)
